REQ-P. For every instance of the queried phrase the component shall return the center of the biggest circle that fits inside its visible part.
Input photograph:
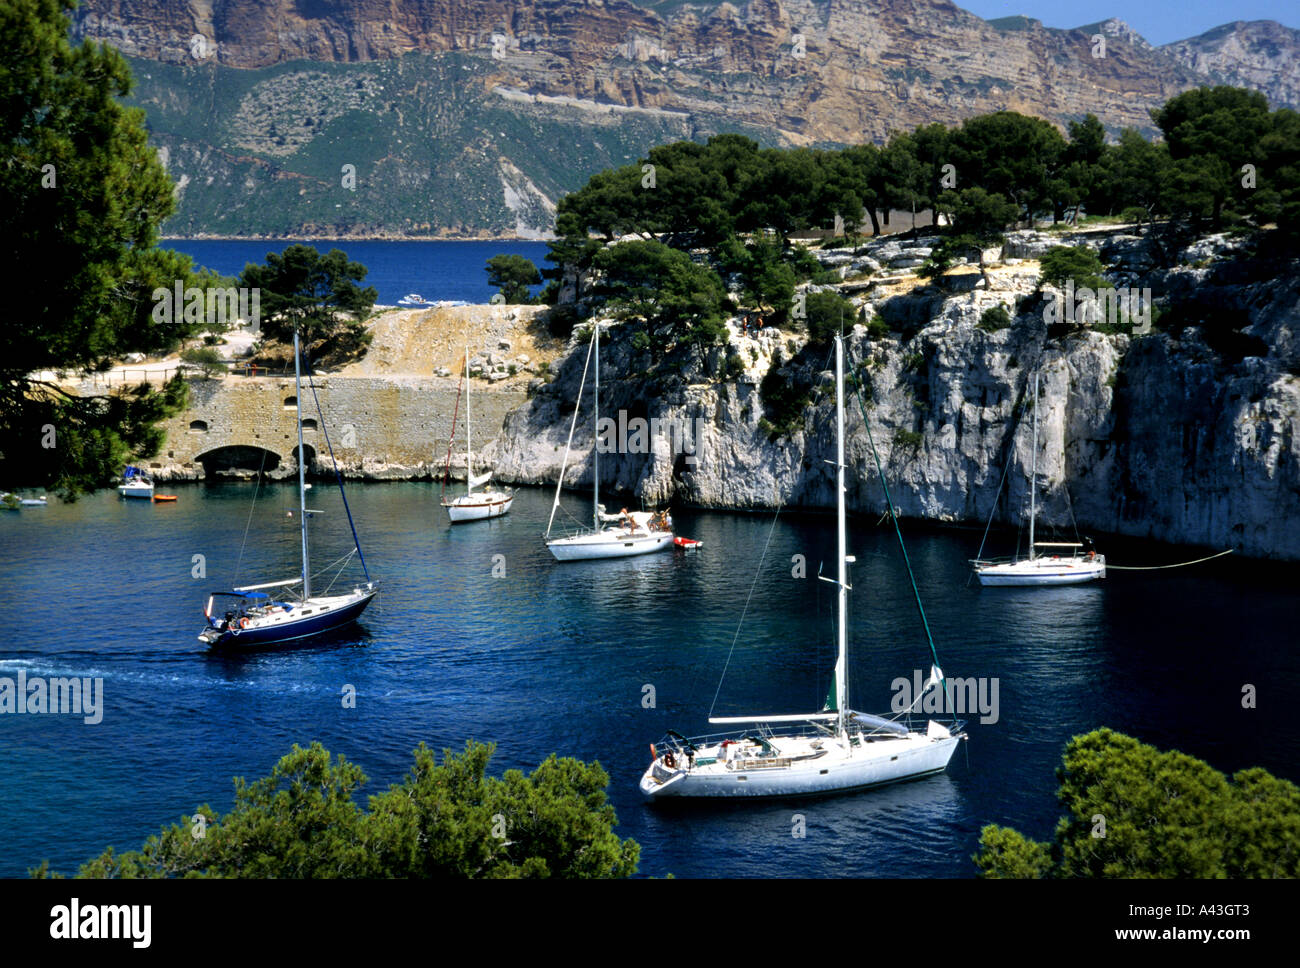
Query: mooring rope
(1181, 564)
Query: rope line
(1181, 564)
(889, 503)
(337, 476)
(739, 625)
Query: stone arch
(308, 451)
(238, 461)
(198, 426)
(309, 424)
(291, 403)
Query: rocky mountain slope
(1261, 54)
(1188, 434)
(473, 116)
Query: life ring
(243, 622)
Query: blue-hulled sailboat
(253, 618)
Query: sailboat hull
(478, 507)
(313, 617)
(608, 544)
(1043, 571)
(876, 764)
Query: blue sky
(1159, 21)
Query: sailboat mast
(1033, 473)
(469, 441)
(595, 441)
(302, 467)
(842, 662)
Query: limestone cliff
(1181, 436)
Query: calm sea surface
(556, 657)
(434, 269)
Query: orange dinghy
(686, 542)
(164, 498)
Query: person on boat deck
(626, 519)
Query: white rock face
(1156, 436)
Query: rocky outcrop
(1261, 54)
(1180, 436)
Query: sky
(1159, 21)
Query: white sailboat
(253, 619)
(470, 506)
(136, 483)
(812, 753)
(610, 535)
(1059, 563)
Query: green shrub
(1078, 262)
(994, 318)
(206, 357)
(825, 314)
(908, 439)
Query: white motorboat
(412, 299)
(469, 506)
(832, 751)
(610, 535)
(1058, 563)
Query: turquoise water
(556, 657)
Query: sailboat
(135, 483)
(831, 751)
(610, 535)
(1059, 563)
(253, 618)
(470, 506)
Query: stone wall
(381, 429)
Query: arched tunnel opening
(240, 462)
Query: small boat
(412, 299)
(610, 535)
(253, 619)
(1064, 563)
(39, 501)
(469, 506)
(690, 544)
(832, 751)
(135, 483)
(164, 498)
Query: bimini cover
(879, 722)
(256, 595)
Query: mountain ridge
(605, 78)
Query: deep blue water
(434, 269)
(555, 657)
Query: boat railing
(559, 534)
